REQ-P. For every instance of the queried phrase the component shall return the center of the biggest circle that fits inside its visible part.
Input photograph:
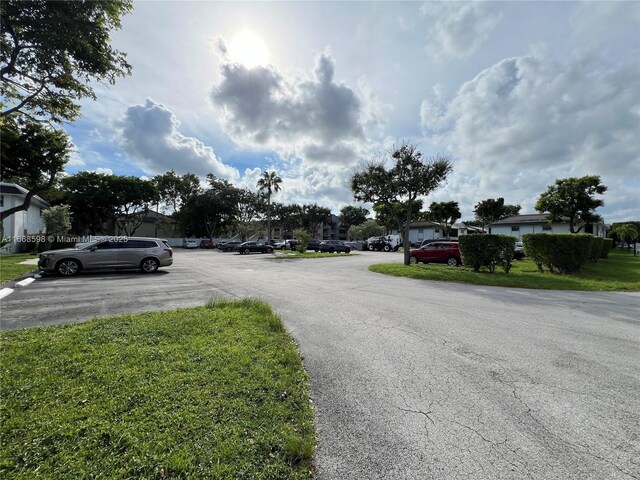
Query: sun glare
(249, 50)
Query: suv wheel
(149, 265)
(371, 248)
(245, 251)
(347, 250)
(269, 250)
(452, 261)
(413, 260)
(68, 267)
(387, 248)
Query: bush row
(561, 253)
(607, 245)
(487, 251)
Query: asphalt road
(414, 379)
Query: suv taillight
(170, 250)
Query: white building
(25, 222)
(419, 231)
(518, 225)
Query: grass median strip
(210, 392)
(619, 272)
(11, 268)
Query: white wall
(417, 235)
(522, 229)
(15, 225)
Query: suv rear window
(147, 244)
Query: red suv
(437, 252)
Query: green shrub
(596, 248)
(559, 253)
(487, 251)
(607, 245)
(302, 239)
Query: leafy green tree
(365, 230)
(573, 199)
(444, 213)
(389, 215)
(212, 211)
(290, 218)
(268, 184)
(174, 190)
(57, 219)
(32, 155)
(491, 210)
(51, 53)
(95, 198)
(351, 215)
(250, 207)
(91, 201)
(134, 199)
(314, 216)
(626, 232)
(410, 177)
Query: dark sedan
(228, 246)
(254, 247)
(334, 246)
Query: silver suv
(147, 254)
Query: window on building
(437, 230)
(546, 227)
(515, 229)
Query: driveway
(414, 379)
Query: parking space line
(5, 291)
(25, 282)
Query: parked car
(186, 243)
(252, 247)
(385, 243)
(432, 240)
(287, 245)
(334, 246)
(518, 252)
(207, 244)
(147, 254)
(314, 244)
(437, 252)
(228, 246)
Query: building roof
(526, 219)
(14, 189)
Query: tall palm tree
(627, 232)
(267, 184)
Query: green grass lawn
(10, 267)
(619, 272)
(211, 392)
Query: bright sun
(248, 49)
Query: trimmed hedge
(596, 248)
(607, 245)
(560, 253)
(487, 251)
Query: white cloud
(525, 121)
(75, 161)
(103, 171)
(459, 29)
(150, 136)
(318, 120)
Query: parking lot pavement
(414, 379)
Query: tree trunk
(406, 243)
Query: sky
(517, 94)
